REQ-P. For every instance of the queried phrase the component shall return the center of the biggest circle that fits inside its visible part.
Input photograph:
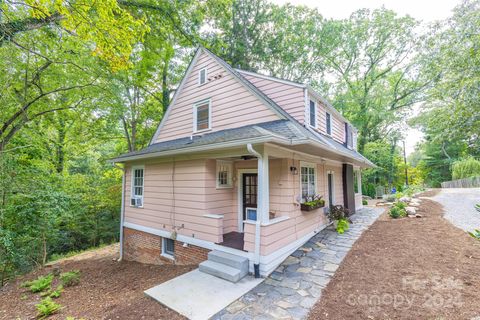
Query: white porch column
(263, 189)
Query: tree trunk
(165, 90)
(44, 255)
(60, 161)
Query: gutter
(122, 210)
(256, 254)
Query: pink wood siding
(284, 191)
(337, 184)
(232, 104)
(338, 126)
(187, 206)
(291, 98)
(220, 201)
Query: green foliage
(314, 201)
(466, 168)
(400, 205)
(477, 207)
(338, 212)
(42, 283)
(56, 293)
(449, 116)
(475, 234)
(47, 307)
(364, 202)
(342, 226)
(397, 211)
(71, 278)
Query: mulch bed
(107, 290)
(409, 268)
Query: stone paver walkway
(296, 285)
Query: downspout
(122, 210)
(256, 259)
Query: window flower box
(312, 203)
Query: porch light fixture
(294, 170)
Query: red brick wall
(147, 248)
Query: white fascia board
(263, 76)
(176, 94)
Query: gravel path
(459, 205)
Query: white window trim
(229, 184)
(315, 125)
(326, 124)
(359, 182)
(164, 253)
(240, 173)
(195, 107)
(333, 186)
(308, 165)
(199, 76)
(132, 185)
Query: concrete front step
(221, 270)
(229, 259)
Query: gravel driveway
(459, 206)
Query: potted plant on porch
(340, 217)
(312, 203)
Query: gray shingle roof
(280, 128)
(289, 129)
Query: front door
(250, 188)
(330, 188)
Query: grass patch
(58, 256)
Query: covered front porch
(259, 196)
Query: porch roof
(282, 132)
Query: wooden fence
(473, 182)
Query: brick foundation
(147, 248)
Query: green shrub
(338, 212)
(42, 283)
(71, 278)
(47, 307)
(466, 168)
(57, 292)
(477, 207)
(364, 202)
(396, 212)
(342, 226)
(400, 205)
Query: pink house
(223, 179)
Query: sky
(423, 10)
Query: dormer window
(313, 114)
(201, 116)
(202, 76)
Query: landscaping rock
(405, 199)
(411, 210)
